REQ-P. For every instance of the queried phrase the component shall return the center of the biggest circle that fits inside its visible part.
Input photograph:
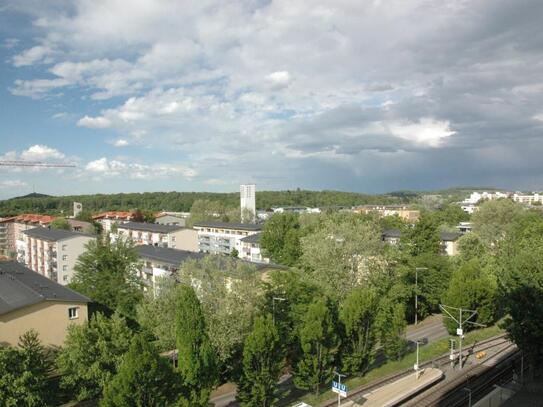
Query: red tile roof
(114, 215)
(31, 218)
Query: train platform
(393, 393)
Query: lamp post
(339, 376)
(417, 370)
(417, 292)
(273, 306)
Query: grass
(426, 353)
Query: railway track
(438, 362)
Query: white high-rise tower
(78, 207)
(247, 194)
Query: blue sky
(363, 96)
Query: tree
(108, 273)
(391, 325)
(144, 379)
(280, 238)
(343, 253)
(357, 314)
(234, 253)
(60, 223)
(319, 343)
(471, 246)
(24, 373)
(262, 358)
(424, 237)
(92, 354)
(475, 288)
(197, 361)
(495, 219)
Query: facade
(78, 208)
(175, 237)
(247, 193)
(535, 198)
(52, 253)
(11, 230)
(160, 262)
(108, 219)
(391, 236)
(29, 300)
(449, 243)
(80, 226)
(172, 218)
(465, 227)
(222, 237)
(475, 197)
(408, 215)
(249, 249)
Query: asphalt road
(429, 330)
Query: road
(429, 330)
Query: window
(64, 268)
(65, 257)
(64, 246)
(72, 313)
(173, 238)
(64, 277)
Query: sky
(366, 96)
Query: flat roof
(254, 239)
(167, 255)
(150, 227)
(54, 235)
(226, 225)
(21, 287)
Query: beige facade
(49, 318)
(180, 239)
(11, 230)
(408, 215)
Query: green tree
(280, 239)
(262, 358)
(391, 326)
(92, 354)
(234, 253)
(357, 314)
(320, 344)
(495, 220)
(144, 379)
(196, 356)
(24, 373)
(475, 288)
(108, 274)
(424, 237)
(471, 247)
(60, 223)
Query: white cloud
(37, 88)
(13, 184)
(121, 142)
(32, 55)
(427, 131)
(279, 79)
(94, 122)
(104, 168)
(539, 117)
(41, 152)
(10, 43)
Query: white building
(53, 252)
(172, 218)
(108, 219)
(247, 193)
(475, 197)
(249, 249)
(221, 237)
(528, 199)
(172, 236)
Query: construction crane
(14, 163)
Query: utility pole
(339, 376)
(417, 292)
(461, 321)
(273, 306)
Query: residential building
(53, 253)
(449, 243)
(247, 193)
(12, 228)
(404, 212)
(222, 237)
(80, 226)
(172, 218)
(160, 262)
(476, 197)
(391, 236)
(249, 249)
(295, 209)
(528, 199)
(465, 227)
(172, 236)
(110, 218)
(29, 300)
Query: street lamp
(417, 370)
(417, 292)
(273, 306)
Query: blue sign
(339, 388)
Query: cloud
(37, 88)
(32, 55)
(427, 131)
(10, 43)
(105, 168)
(279, 79)
(121, 142)
(94, 122)
(40, 152)
(12, 184)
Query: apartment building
(391, 236)
(158, 262)
(29, 300)
(449, 243)
(528, 199)
(172, 236)
(172, 218)
(249, 249)
(110, 218)
(408, 215)
(222, 237)
(12, 228)
(52, 253)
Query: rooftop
(150, 227)
(174, 257)
(53, 235)
(225, 225)
(21, 287)
(450, 236)
(114, 215)
(392, 233)
(254, 239)
(30, 218)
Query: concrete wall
(171, 220)
(49, 318)
(184, 239)
(71, 248)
